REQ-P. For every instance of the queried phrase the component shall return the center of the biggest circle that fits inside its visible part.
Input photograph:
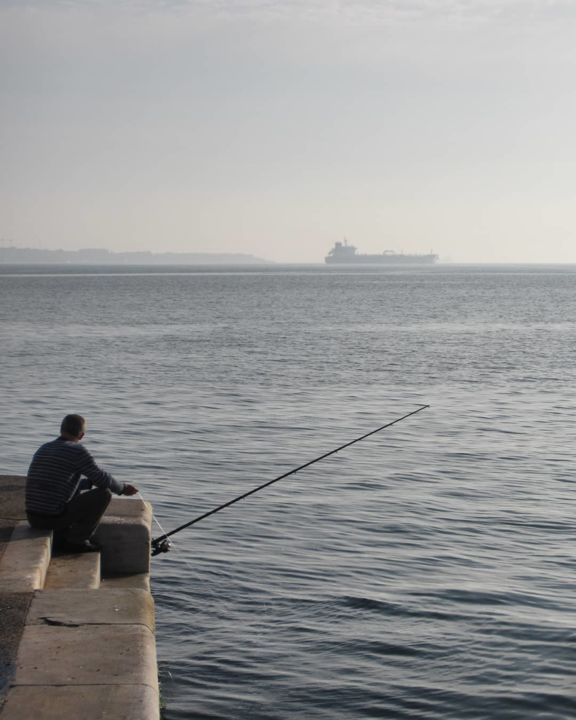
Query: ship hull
(382, 260)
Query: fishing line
(161, 544)
(170, 544)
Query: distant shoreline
(96, 256)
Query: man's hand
(129, 489)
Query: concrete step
(76, 608)
(77, 572)
(124, 534)
(71, 650)
(25, 561)
(82, 702)
(137, 581)
(88, 655)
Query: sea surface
(425, 573)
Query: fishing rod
(161, 544)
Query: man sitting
(56, 496)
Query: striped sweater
(54, 476)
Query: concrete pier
(76, 631)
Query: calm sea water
(427, 572)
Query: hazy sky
(276, 127)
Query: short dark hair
(73, 425)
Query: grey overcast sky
(276, 127)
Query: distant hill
(95, 256)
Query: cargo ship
(345, 254)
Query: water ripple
(427, 572)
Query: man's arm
(100, 477)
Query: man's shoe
(72, 548)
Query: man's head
(73, 427)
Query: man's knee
(104, 496)
(95, 500)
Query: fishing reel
(161, 545)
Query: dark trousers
(80, 519)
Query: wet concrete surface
(13, 611)
(13, 606)
(11, 507)
(12, 497)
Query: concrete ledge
(124, 534)
(74, 572)
(26, 559)
(139, 581)
(84, 702)
(86, 655)
(110, 606)
(129, 507)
